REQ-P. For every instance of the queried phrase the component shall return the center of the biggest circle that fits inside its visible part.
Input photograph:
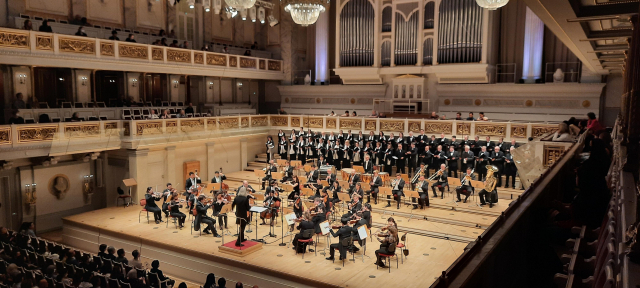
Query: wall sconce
(87, 187)
(175, 83)
(30, 193)
(240, 85)
(22, 78)
(192, 4)
(210, 85)
(84, 80)
(61, 79)
(134, 82)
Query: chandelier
(240, 4)
(492, 4)
(305, 12)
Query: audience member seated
(135, 262)
(374, 114)
(189, 109)
(114, 35)
(353, 114)
(562, 134)
(27, 228)
(76, 117)
(15, 118)
(130, 38)
(222, 283)
(163, 42)
(185, 45)
(162, 33)
(19, 102)
(434, 116)
(154, 269)
(174, 44)
(593, 124)
(45, 27)
(165, 114)
(121, 257)
(346, 114)
(81, 32)
(332, 114)
(254, 46)
(470, 118)
(181, 114)
(482, 117)
(172, 34)
(247, 53)
(44, 118)
(27, 25)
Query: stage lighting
(261, 14)
(272, 21)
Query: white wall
(83, 92)
(133, 92)
(25, 88)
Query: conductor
(241, 204)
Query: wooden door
(191, 166)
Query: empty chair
(67, 119)
(103, 118)
(165, 103)
(43, 105)
(174, 103)
(78, 105)
(100, 105)
(180, 103)
(66, 105)
(137, 112)
(29, 121)
(91, 105)
(126, 113)
(93, 118)
(146, 112)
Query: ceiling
(596, 31)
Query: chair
(347, 243)
(113, 283)
(174, 219)
(193, 223)
(402, 246)
(103, 118)
(154, 281)
(180, 103)
(385, 256)
(174, 103)
(78, 105)
(308, 234)
(165, 103)
(29, 121)
(66, 104)
(142, 273)
(101, 105)
(126, 113)
(43, 105)
(55, 119)
(93, 118)
(143, 202)
(124, 198)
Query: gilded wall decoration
(111, 129)
(156, 54)
(198, 58)
(211, 123)
(36, 133)
(148, 127)
(491, 129)
(192, 125)
(537, 131)
(463, 128)
(313, 122)
(228, 123)
(244, 122)
(552, 154)
(414, 126)
(14, 39)
(59, 186)
(178, 56)
(261, 121)
(370, 125)
(262, 65)
(216, 60)
(77, 45)
(586, 104)
(274, 66)
(133, 51)
(5, 135)
(351, 124)
(282, 121)
(44, 42)
(331, 123)
(107, 49)
(233, 61)
(81, 130)
(295, 122)
(392, 126)
(127, 128)
(247, 63)
(519, 131)
(171, 126)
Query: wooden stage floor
(437, 236)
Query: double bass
(224, 187)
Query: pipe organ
(429, 14)
(386, 19)
(357, 34)
(406, 50)
(386, 53)
(427, 52)
(459, 32)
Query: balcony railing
(41, 43)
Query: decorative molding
(261, 121)
(211, 123)
(81, 130)
(491, 129)
(295, 121)
(14, 39)
(463, 128)
(171, 126)
(111, 129)
(281, 121)
(415, 126)
(127, 128)
(44, 42)
(244, 122)
(331, 123)
(552, 154)
(519, 131)
(539, 130)
(198, 57)
(370, 125)
(73, 45)
(156, 54)
(228, 123)
(30, 134)
(275, 66)
(148, 127)
(107, 49)
(392, 126)
(438, 127)
(313, 122)
(133, 51)
(350, 124)
(5, 135)
(233, 61)
(192, 125)
(247, 63)
(262, 65)
(178, 56)
(216, 60)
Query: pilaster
(210, 163)
(138, 160)
(171, 164)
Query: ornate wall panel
(274, 66)
(111, 129)
(295, 121)
(38, 133)
(282, 121)
(463, 128)
(539, 130)
(127, 128)
(233, 61)
(216, 60)
(228, 123)
(438, 127)
(351, 124)
(156, 54)
(198, 58)
(392, 126)
(107, 49)
(331, 123)
(171, 126)
(44, 42)
(133, 51)
(77, 45)
(148, 127)
(310, 122)
(262, 65)
(5, 135)
(244, 122)
(519, 131)
(178, 56)
(247, 63)
(415, 126)
(14, 39)
(192, 125)
(211, 123)
(81, 130)
(370, 125)
(491, 129)
(261, 121)
(552, 154)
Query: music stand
(281, 162)
(453, 182)
(288, 219)
(277, 176)
(306, 192)
(130, 183)
(260, 174)
(344, 198)
(303, 180)
(412, 194)
(258, 210)
(215, 187)
(225, 209)
(324, 183)
(477, 185)
(385, 191)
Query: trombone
(467, 178)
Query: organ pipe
(429, 15)
(386, 19)
(460, 32)
(406, 52)
(386, 54)
(427, 52)
(357, 34)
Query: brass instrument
(491, 181)
(417, 176)
(419, 186)
(467, 178)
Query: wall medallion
(59, 186)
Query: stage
(437, 236)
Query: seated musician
(358, 190)
(322, 161)
(353, 179)
(376, 181)
(295, 183)
(316, 188)
(440, 178)
(318, 213)
(466, 187)
(272, 197)
(201, 217)
(151, 205)
(287, 173)
(330, 177)
(368, 164)
(422, 187)
(333, 191)
(354, 207)
(387, 243)
(396, 188)
(269, 170)
(489, 194)
(221, 200)
(166, 195)
(343, 233)
(312, 177)
(174, 207)
(191, 196)
(247, 187)
(306, 224)
(363, 217)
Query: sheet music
(362, 232)
(258, 209)
(291, 217)
(325, 227)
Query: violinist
(166, 195)
(174, 207)
(466, 187)
(287, 172)
(354, 207)
(270, 202)
(334, 190)
(217, 208)
(151, 206)
(320, 216)
(388, 241)
(268, 171)
(362, 217)
(357, 190)
(201, 217)
(344, 232)
(353, 179)
(295, 183)
(376, 181)
(298, 209)
(306, 224)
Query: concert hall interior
(317, 143)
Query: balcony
(21, 47)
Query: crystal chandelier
(240, 4)
(305, 12)
(492, 4)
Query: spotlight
(272, 21)
(261, 14)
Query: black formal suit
(189, 183)
(424, 195)
(319, 217)
(437, 161)
(397, 192)
(469, 156)
(152, 207)
(368, 167)
(510, 170)
(426, 157)
(270, 170)
(304, 225)
(202, 218)
(440, 181)
(288, 174)
(330, 179)
(466, 187)
(482, 160)
(444, 142)
(376, 181)
(214, 180)
(497, 159)
(481, 143)
(501, 145)
(322, 162)
(412, 159)
(343, 233)
(312, 177)
(423, 141)
(452, 160)
(241, 204)
(353, 179)
(400, 162)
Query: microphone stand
(282, 230)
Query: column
(210, 164)
(377, 26)
(243, 153)
(393, 35)
(322, 48)
(420, 36)
(533, 47)
(171, 165)
(138, 171)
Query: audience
(346, 114)
(222, 283)
(562, 134)
(374, 114)
(482, 117)
(174, 44)
(44, 118)
(76, 117)
(15, 118)
(80, 32)
(189, 109)
(121, 257)
(27, 25)
(45, 27)
(19, 102)
(593, 124)
(154, 269)
(434, 116)
(27, 228)
(130, 38)
(114, 35)
(211, 281)
(135, 262)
